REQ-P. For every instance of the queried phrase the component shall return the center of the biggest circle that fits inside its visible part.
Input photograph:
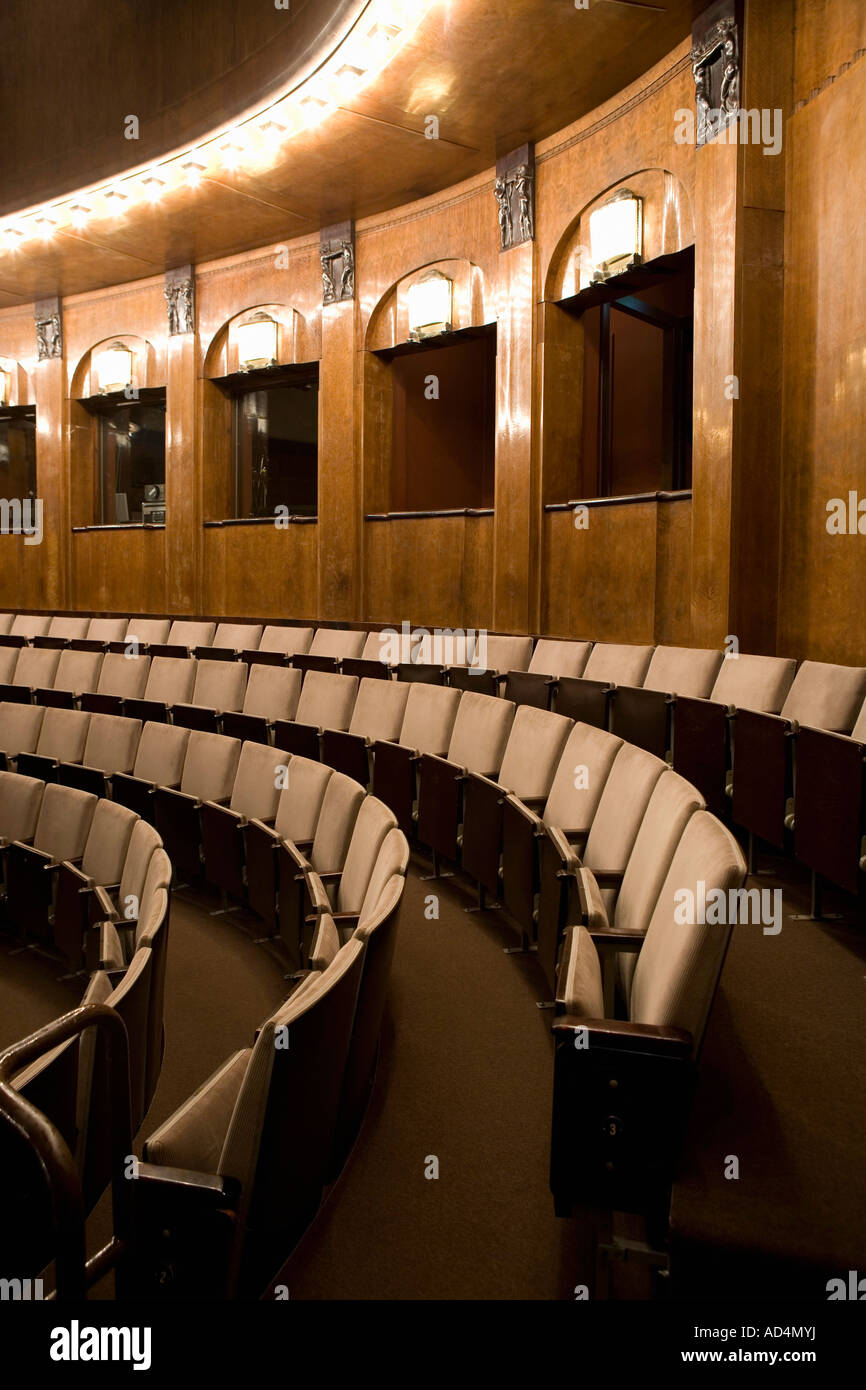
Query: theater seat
(231, 639)
(20, 726)
(141, 633)
(428, 722)
(208, 775)
(345, 889)
(62, 738)
(702, 740)
(62, 631)
(830, 806)
(642, 714)
(532, 754)
(262, 773)
(618, 881)
(255, 1140)
(119, 936)
(34, 669)
(530, 836)
(76, 904)
(120, 678)
(824, 697)
(326, 702)
(158, 762)
(184, 637)
(494, 656)
(219, 686)
(20, 800)
(280, 644)
(327, 649)
(477, 744)
(373, 663)
(622, 1086)
(326, 855)
(61, 834)
(272, 694)
(551, 660)
(101, 632)
(121, 906)
(298, 811)
(377, 715)
(26, 626)
(111, 747)
(170, 681)
(586, 698)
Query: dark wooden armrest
(212, 1189)
(609, 938)
(617, 1034)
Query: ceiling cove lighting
(616, 234)
(113, 368)
(256, 341)
(430, 306)
(359, 57)
(4, 386)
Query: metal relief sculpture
(49, 332)
(180, 300)
(716, 68)
(337, 253)
(514, 190)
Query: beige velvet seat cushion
(238, 637)
(859, 730)
(106, 629)
(147, 630)
(300, 802)
(171, 680)
(78, 671)
(194, 1135)
(754, 682)
(618, 664)
(184, 633)
(392, 862)
(261, 775)
(327, 700)
(379, 709)
(64, 821)
(374, 822)
(112, 743)
(161, 753)
(36, 667)
(210, 765)
(621, 809)
(220, 685)
(63, 735)
(553, 658)
(429, 719)
(580, 777)
(579, 986)
(20, 726)
(272, 692)
(68, 628)
(340, 807)
(288, 640)
(31, 625)
(20, 800)
(533, 751)
(481, 732)
(124, 676)
(337, 642)
(108, 841)
(825, 696)
(688, 671)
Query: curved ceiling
(495, 73)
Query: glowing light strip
(254, 142)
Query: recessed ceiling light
(193, 171)
(154, 187)
(47, 227)
(79, 213)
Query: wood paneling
(260, 571)
(601, 582)
(429, 571)
(119, 571)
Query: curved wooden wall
(686, 570)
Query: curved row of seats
(339, 864)
(798, 734)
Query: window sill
(278, 521)
(121, 526)
(421, 516)
(626, 500)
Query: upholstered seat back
(374, 822)
(171, 680)
(28, 625)
(300, 803)
(533, 751)
(621, 808)
(497, 653)
(106, 629)
(687, 671)
(337, 642)
(238, 637)
(261, 776)
(147, 630)
(64, 821)
(825, 696)
(36, 667)
(618, 664)
(161, 754)
(20, 800)
(184, 633)
(20, 726)
(580, 777)
(68, 629)
(392, 863)
(78, 671)
(481, 732)
(143, 843)
(859, 730)
(340, 807)
(124, 676)
(63, 735)
(209, 766)
(754, 682)
(429, 718)
(220, 685)
(553, 658)
(681, 959)
(288, 640)
(327, 700)
(670, 807)
(272, 692)
(379, 709)
(108, 842)
(112, 743)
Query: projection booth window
(18, 452)
(130, 457)
(276, 441)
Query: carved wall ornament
(49, 329)
(337, 253)
(715, 60)
(514, 190)
(180, 300)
